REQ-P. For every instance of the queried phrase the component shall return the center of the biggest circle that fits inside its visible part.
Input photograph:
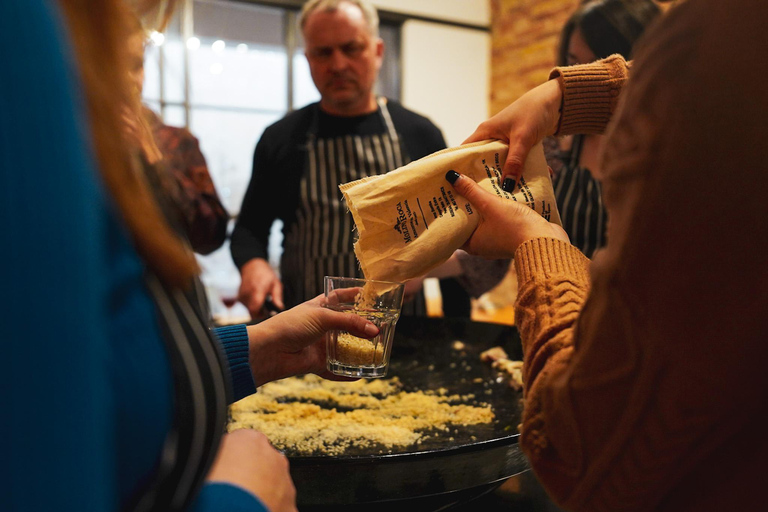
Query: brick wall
(524, 39)
(525, 35)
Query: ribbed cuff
(548, 257)
(590, 94)
(234, 341)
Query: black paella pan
(447, 467)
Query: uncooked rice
(364, 413)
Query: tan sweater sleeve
(645, 383)
(553, 283)
(590, 94)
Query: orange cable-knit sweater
(646, 380)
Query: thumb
(471, 191)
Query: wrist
(255, 265)
(554, 105)
(256, 352)
(267, 360)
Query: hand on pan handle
(271, 307)
(259, 282)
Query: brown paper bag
(411, 220)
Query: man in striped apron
(301, 160)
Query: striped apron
(202, 393)
(579, 199)
(321, 241)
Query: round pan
(447, 467)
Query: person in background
(300, 161)
(644, 369)
(596, 30)
(117, 389)
(179, 167)
(175, 169)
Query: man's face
(344, 59)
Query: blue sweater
(86, 383)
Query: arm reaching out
(578, 99)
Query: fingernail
(509, 184)
(371, 330)
(451, 176)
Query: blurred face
(578, 50)
(136, 62)
(344, 59)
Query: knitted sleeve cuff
(590, 94)
(545, 257)
(234, 342)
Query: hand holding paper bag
(504, 225)
(411, 220)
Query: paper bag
(411, 220)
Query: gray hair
(369, 12)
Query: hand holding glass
(379, 302)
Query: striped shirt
(579, 197)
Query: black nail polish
(509, 184)
(451, 176)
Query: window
(222, 69)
